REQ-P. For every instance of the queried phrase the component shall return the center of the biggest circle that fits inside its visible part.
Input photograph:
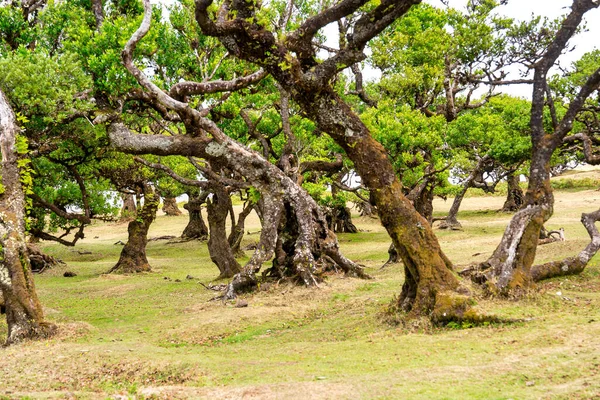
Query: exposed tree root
(501, 274)
(572, 265)
(551, 236)
(40, 261)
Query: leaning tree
(310, 242)
(430, 287)
(509, 269)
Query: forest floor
(157, 335)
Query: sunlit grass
(158, 334)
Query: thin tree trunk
(196, 227)
(170, 207)
(24, 314)
(514, 196)
(237, 231)
(218, 246)
(133, 256)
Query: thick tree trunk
(133, 256)
(218, 246)
(339, 219)
(196, 227)
(170, 207)
(275, 187)
(423, 202)
(24, 314)
(430, 282)
(514, 196)
(129, 209)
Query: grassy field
(156, 335)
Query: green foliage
(42, 88)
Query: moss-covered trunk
(24, 315)
(133, 256)
(429, 275)
(508, 271)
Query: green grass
(144, 335)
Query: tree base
(40, 261)
(130, 267)
(41, 331)
(448, 224)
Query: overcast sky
(519, 10)
(524, 9)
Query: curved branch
(127, 57)
(172, 174)
(588, 151)
(38, 201)
(188, 88)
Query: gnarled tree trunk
(170, 207)
(430, 281)
(339, 219)
(275, 187)
(133, 256)
(507, 271)
(218, 206)
(196, 227)
(24, 314)
(514, 195)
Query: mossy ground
(145, 336)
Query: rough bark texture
(218, 206)
(129, 209)
(24, 314)
(170, 207)
(133, 256)
(205, 139)
(196, 227)
(514, 196)
(508, 271)
(292, 63)
(339, 219)
(412, 236)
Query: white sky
(520, 10)
(524, 9)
